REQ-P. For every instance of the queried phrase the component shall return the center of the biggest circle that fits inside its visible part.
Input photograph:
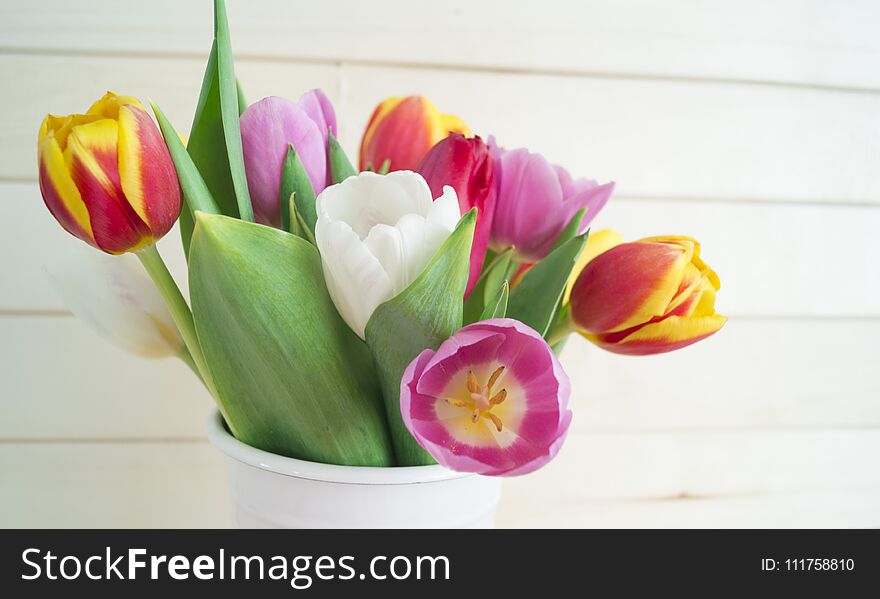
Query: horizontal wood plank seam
(489, 69)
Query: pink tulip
(493, 399)
(465, 165)
(536, 200)
(268, 127)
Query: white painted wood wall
(754, 126)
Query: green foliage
(290, 376)
(421, 317)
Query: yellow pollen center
(480, 401)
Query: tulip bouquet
(406, 312)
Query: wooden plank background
(753, 126)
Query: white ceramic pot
(272, 491)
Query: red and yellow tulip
(107, 177)
(646, 297)
(402, 130)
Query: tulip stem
(180, 312)
(187, 359)
(561, 329)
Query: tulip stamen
(498, 398)
(494, 379)
(495, 420)
(480, 403)
(472, 384)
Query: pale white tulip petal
(365, 201)
(115, 297)
(376, 234)
(417, 253)
(415, 188)
(384, 242)
(444, 211)
(355, 279)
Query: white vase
(273, 491)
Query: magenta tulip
(465, 165)
(493, 399)
(536, 200)
(268, 127)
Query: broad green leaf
(290, 375)
(534, 300)
(488, 285)
(207, 142)
(295, 180)
(340, 166)
(205, 146)
(196, 194)
(571, 229)
(227, 87)
(421, 317)
(497, 308)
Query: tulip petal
(91, 158)
(115, 297)
(357, 283)
(146, 171)
(598, 242)
(317, 105)
(59, 191)
(268, 127)
(628, 285)
(529, 188)
(674, 332)
(528, 425)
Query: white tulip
(115, 297)
(376, 234)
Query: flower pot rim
(222, 439)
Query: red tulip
(402, 130)
(465, 165)
(107, 176)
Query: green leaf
(295, 180)
(242, 101)
(196, 194)
(497, 308)
(340, 166)
(571, 229)
(421, 317)
(290, 375)
(208, 142)
(302, 228)
(385, 167)
(227, 87)
(534, 300)
(488, 286)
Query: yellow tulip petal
(130, 165)
(706, 305)
(59, 190)
(677, 329)
(672, 333)
(109, 104)
(93, 147)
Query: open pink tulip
(536, 200)
(268, 127)
(465, 165)
(493, 399)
